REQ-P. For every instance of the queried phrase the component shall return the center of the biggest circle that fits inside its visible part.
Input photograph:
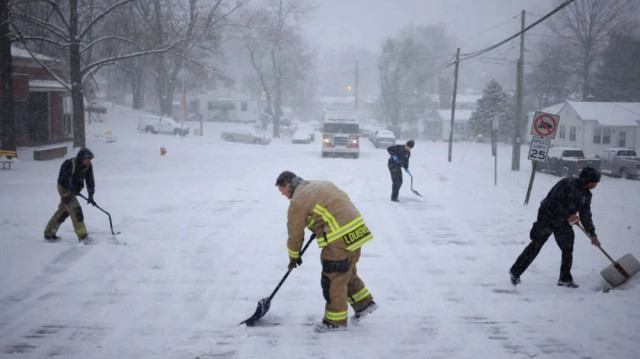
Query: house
(225, 105)
(593, 126)
(42, 104)
(437, 125)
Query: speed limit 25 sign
(539, 148)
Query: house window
(459, 126)
(602, 135)
(622, 139)
(211, 106)
(243, 106)
(572, 133)
(561, 132)
(606, 135)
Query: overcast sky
(364, 24)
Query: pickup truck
(158, 124)
(620, 162)
(567, 162)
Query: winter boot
(51, 237)
(326, 327)
(568, 284)
(85, 239)
(361, 314)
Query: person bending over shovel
(74, 172)
(556, 214)
(398, 159)
(341, 232)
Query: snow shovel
(96, 205)
(618, 271)
(413, 190)
(265, 303)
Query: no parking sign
(544, 125)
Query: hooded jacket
(73, 175)
(325, 209)
(403, 156)
(569, 196)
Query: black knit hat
(410, 143)
(590, 174)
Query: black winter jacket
(402, 154)
(73, 175)
(569, 196)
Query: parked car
(194, 116)
(374, 131)
(158, 124)
(246, 135)
(620, 162)
(301, 136)
(567, 162)
(384, 139)
(308, 129)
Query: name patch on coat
(356, 234)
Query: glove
(407, 170)
(90, 199)
(294, 262)
(394, 158)
(573, 219)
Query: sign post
(494, 149)
(543, 129)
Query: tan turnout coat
(330, 214)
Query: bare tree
(549, 82)
(408, 68)
(584, 27)
(198, 29)
(278, 54)
(68, 26)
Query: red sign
(545, 125)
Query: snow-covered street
(203, 240)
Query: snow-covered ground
(203, 239)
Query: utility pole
(453, 101)
(515, 155)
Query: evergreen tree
(618, 78)
(495, 103)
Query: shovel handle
(599, 247)
(107, 213)
(313, 236)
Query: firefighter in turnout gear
(340, 231)
(398, 159)
(74, 172)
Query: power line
(478, 53)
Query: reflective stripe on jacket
(328, 212)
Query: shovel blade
(263, 307)
(617, 273)
(416, 192)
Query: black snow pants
(396, 180)
(540, 232)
